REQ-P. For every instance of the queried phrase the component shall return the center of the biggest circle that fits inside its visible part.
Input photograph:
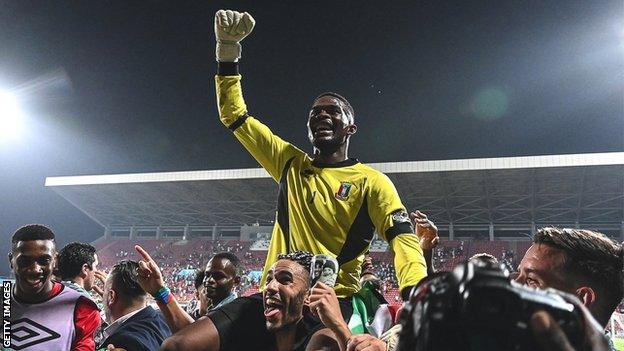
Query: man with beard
(286, 316)
(327, 203)
(288, 300)
(46, 315)
(284, 297)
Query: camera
(476, 306)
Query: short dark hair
(485, 257)
(72, 257)
(344, 101)
(199, 278)
(32, 232)
(125, 278)
(304, 258)
(234, 260)
(591, 257)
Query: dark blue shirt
(144, 331)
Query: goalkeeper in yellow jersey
(328, 204)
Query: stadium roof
(509, 192)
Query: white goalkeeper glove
(230, 28)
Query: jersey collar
(346, 163)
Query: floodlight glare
(11, 117)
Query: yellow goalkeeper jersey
(324, 208)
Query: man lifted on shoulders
(327, 202)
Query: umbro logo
(25, 333)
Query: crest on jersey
(343, 191)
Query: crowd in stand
(177, 267)
(385, 272)
(508, 258)
(447, 254)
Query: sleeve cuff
(227, 69)
(397, 229)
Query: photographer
(482, 309)
(583, 263)
(584, 266)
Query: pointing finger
(143, 253)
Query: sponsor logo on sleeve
(400, 217)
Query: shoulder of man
(373, 174)
(82, 291)
(74, 286)
(87, 303)
(145, 330)
(148, 318)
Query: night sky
(122, 87)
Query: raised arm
(271, 152)
(151, 280)
(230, 27)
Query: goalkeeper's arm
(231, 27)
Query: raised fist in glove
(230, 28)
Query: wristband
(227, 69)
(163, 296)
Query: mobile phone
(324, 268)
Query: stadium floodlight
(11, 117)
